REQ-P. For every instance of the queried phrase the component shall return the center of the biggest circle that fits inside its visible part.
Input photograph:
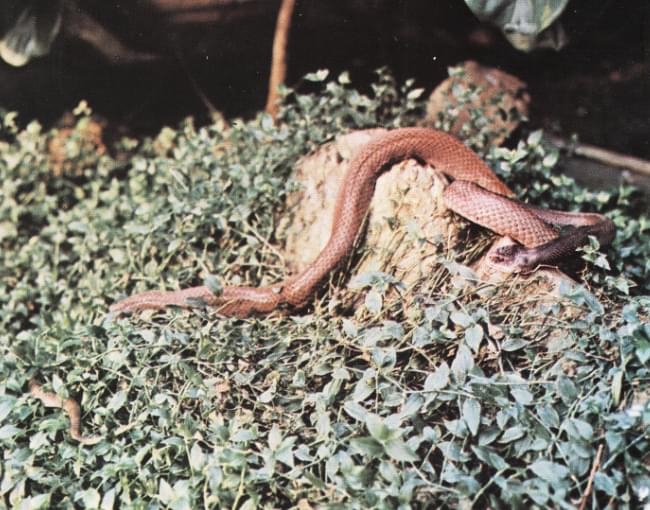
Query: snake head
(512, 258)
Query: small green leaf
(275, 437)
(642, 350)
(461, 319)
(513, 344)
(473, 337)
(604, 483)
(522, 396)
(8, 431)
(549, 416)
(367, 446)
(89, 498)
(585, 430)
(472, 415)
(566, 389)
(535, 137)
(414, 94)
(378, 430)
(197, 457)
(617, 387)
(549, 471)
(373, 301)
(512, 434)
(439, 379)
(117, 401)
(213, 284)
(463, 363)
(399, 450)
(319, 75)
(350, 328)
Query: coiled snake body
(476, 194)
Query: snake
(71, 408)
(476, 193)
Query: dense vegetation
(473, 395)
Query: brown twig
(638, 165)
(590, 483)
(279, 58)
(78, 23)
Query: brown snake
(476, 193)
(71, 408)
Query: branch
(279, 59)
(638, 165)
(590, 483)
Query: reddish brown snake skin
(476, 194)
(69, 405)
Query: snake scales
(476, 193)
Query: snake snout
(512, 258)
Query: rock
(408, 225)
(500, 97)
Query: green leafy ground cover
(470, 396)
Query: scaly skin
(477, 194)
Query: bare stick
(590, 483)
(279, 59)
(82, 25)
(601, 155)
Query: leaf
(439, 379)
(412, 406)
(522, 396)
(642, 350)
(275, 437)
(414, 94)
(461, 319)
(472, 415)
(604, 483)
(213, 284)
(350, 328)
(319, 75)
(512, 434)
(399, 450)
(549, 471)
(549, 416)
(377, 428)
(36, 502)
(8, 431)
(473, 337)
(243, 436)
(551, 159)
(367, 446)
(456, 427)
(463, 363)
(363, 389)
(6, 405)
(513, 344)
(89, 498)
(566, 389)
(117, 401)
(534, 138)
(617, 386)
(373, 301)
(165, 492)
(585, 430)
(490, 457)
(197, 457)
(355, 410)
(284, 454)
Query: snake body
(476, 194)
(70, 406)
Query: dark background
(598, 86)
